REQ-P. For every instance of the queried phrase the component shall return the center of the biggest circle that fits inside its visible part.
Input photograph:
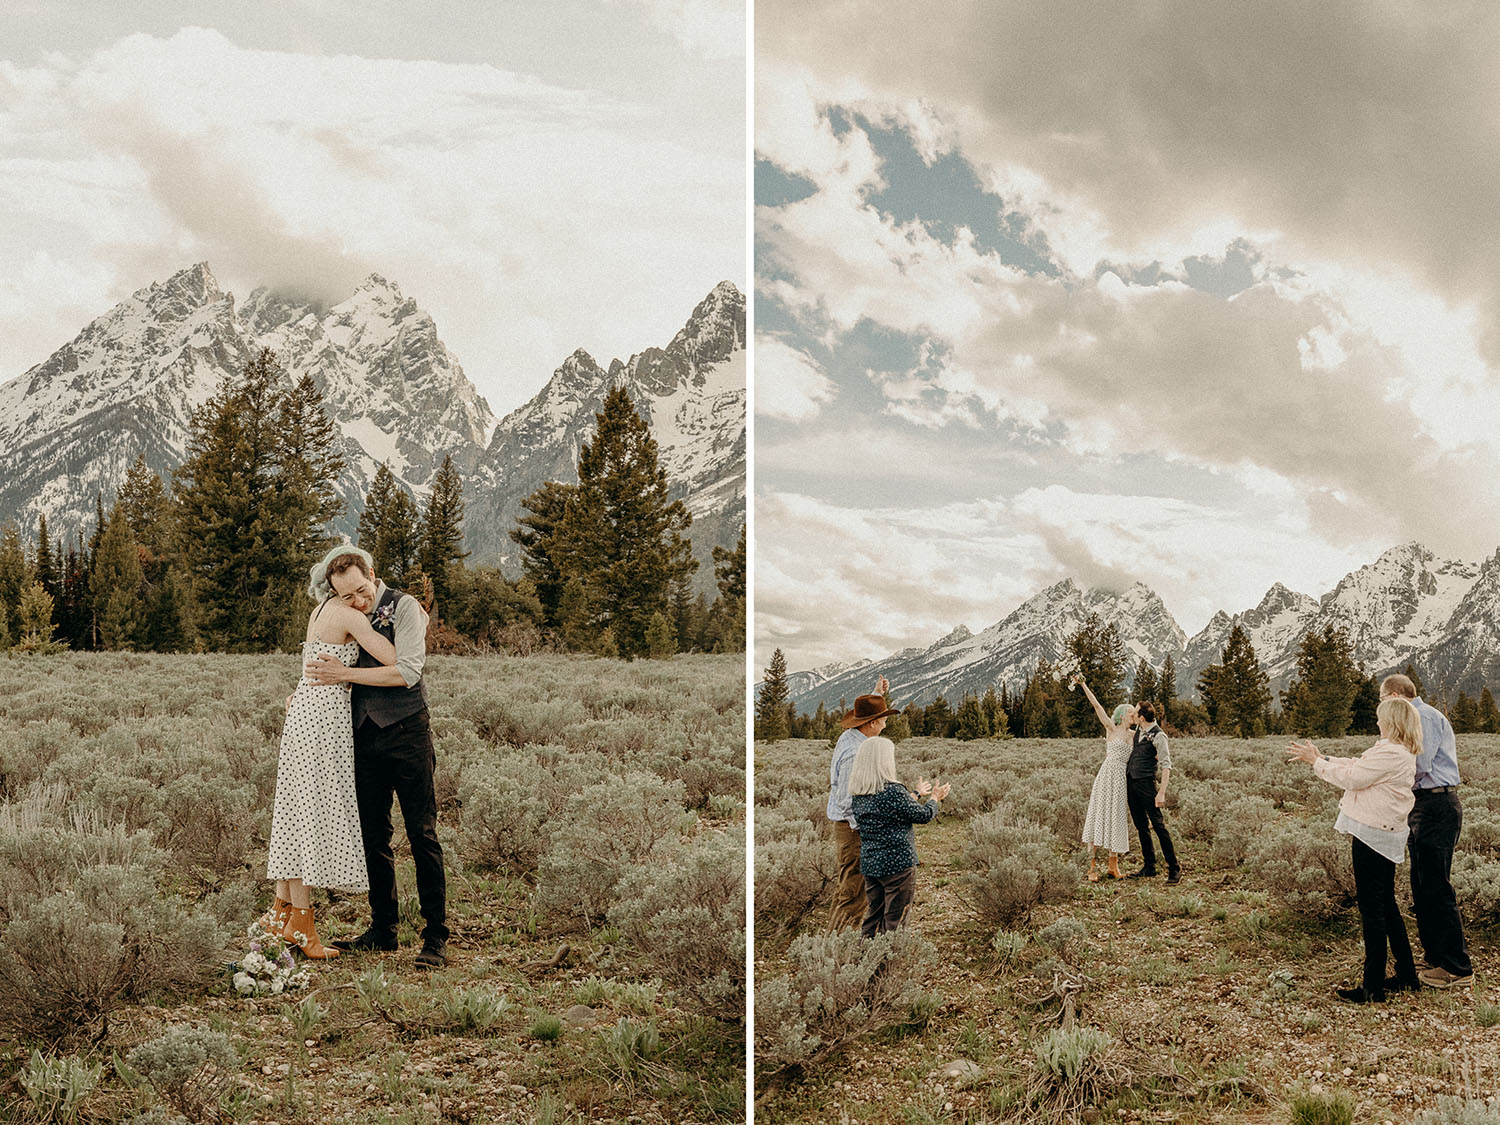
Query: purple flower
(384, 615)
(255, 947)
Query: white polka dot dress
(1107, 823)
(315, 833)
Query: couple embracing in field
(357, 735)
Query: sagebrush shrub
(839, 987)
(1476, 883)
(1013, 868)
(504, 812)
(189, 1067)
(605, 830)
(1306, 867)
(1235, 825)
(795, 864)
(68, 960)
(685, 912)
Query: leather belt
(1437, 789)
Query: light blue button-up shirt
(1437, 765)
(840, 804)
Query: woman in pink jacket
(1373, 811)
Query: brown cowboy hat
(867, 708)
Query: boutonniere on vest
(384, 615)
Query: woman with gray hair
(315, 829)
(886, 813)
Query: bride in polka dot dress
(315, 832)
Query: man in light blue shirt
(865, 720)
(1435, 821)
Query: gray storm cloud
(1365, 133)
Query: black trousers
(1435, 821)
(889, 898)
(397, 761)
(1380, 917)
(1140, 798)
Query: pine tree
(729, 607)
(35, 618)
(400, 542)
(116, 584)
(770, 704)
(47, 568)
(939, 720)
(168, 625)
(1166, 686)
(73, 610)
(1489, 716)
(376, 513)
(1465, 716)
(145, 505)
(1320, 700)
(1243, 691)
(969, 723)
(259, 480)
(1145, 686)
(620, 537)
(1099, 656)
(661, 638)
(1362, 719)
(15, 570)
(994, 714)
(442, 529)
(537, 535)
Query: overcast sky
(1201, 295)
(539, 177)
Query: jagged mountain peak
(180, 295)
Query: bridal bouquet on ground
(268, 967)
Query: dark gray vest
(1142, 761)
(385, 705)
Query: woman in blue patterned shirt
(886, 813)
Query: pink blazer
(1378, 784)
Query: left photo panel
(372, 562)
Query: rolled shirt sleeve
(411, 639)
(1163, 749)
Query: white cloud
(713, 28)
(788, 383)
(529, 218)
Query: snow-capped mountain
(692, 392)
(1007, 651)
(129, 382)
(1408, 606)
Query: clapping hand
(1302, 752)
(941, 791)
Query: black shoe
(1401, 984)
(1143, 873)
(434, 954)
(1174, 876)
(1361, 995)
(371, 940)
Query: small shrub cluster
(795, 866)
(1013, 868)
(190, 1068)
(839, 987)
(1305, 867)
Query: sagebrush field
(1021, 992)
(592, 818)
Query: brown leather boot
(305, 935)
(1114, 866)
(1093, 870)
(273, 921)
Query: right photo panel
(1126, 585)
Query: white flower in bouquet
(244, 984)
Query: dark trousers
(397, 761)
(1140, 798)
(1380, 917)
(849, 894)
(889, 898)
(1435, 821)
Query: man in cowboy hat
(865, 720)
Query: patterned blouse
(887, 840)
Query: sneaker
(434, 954)
(1442, 978)
(1174, 876)
(1360, 995)
(371, 940)
(1143, 873)
(1402, 984)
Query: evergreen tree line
(218, 558)
(1330, 695)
